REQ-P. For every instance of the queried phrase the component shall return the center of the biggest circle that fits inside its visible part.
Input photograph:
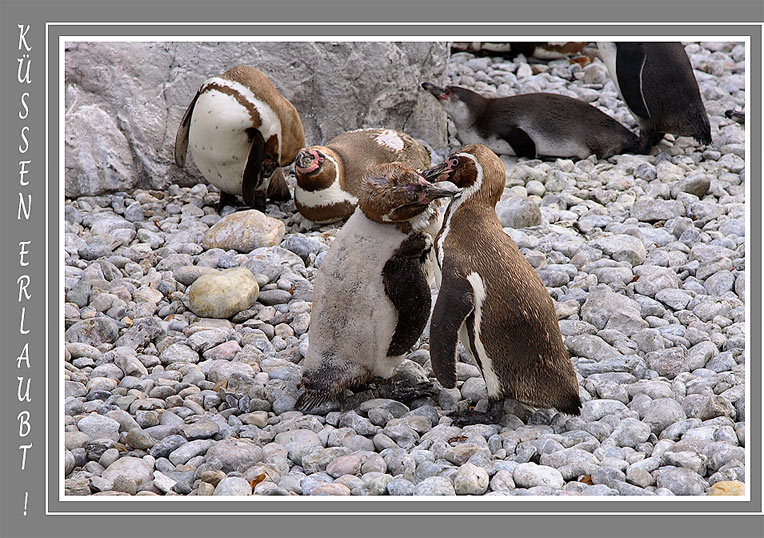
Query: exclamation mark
(26, 499)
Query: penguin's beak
(437, 91)
(303, 159)
(439, 172)
(443, 189)
(307, 161)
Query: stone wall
(124, 100)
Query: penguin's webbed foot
(403, 391)
(471, 417)
(226, 199)
(259, 202)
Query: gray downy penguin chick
(657, 83)
(492, 300)
(240, 131)
(329, 177)
(534, 125)
(372, 292)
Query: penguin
(492, 300)
(534, 124)
(735, 115)
(329, 177)
(241, 130)
(657, 83)
(372, 290)
(509, 50)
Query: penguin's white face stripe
(472, 189)
(332, 194)
(492, 382)
(270, 124)
(456, 202)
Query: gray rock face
(98, 155)
(335, 87)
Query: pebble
(434, 485)
(224, 294)
(245, 231)
(528, 475)
(233, 485)
(470, 480)
(99, 427)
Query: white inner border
(558, 37)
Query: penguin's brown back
(359, 150)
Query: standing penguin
(492, 300)
(372, 293)
(534, 124)
(658, 85)
(329, 177)
(241, 130)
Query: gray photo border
(29, 503)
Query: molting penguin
(492, 300)
(329, 177)
(657, 83)
(534, 124)
(372, 293)
(241, 130)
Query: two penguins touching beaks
(372, 292)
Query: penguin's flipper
(181, 137)
(407, 288)
(251, 177)
(455, 303)
(522, 144)
(629, 64)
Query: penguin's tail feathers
(703, 133)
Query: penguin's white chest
(218, 138)
(564, 146)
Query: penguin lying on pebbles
(534, 124)
(241, 130)
(542, 50)
(492, 300)
(372, 292)
(329, 177)
(657, 83)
